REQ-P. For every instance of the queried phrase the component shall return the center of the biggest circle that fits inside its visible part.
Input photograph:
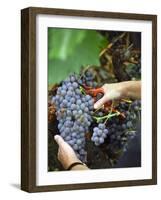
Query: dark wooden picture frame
(28, 98)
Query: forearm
(131, 89)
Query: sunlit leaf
(70, 49)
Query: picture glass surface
(80, 62)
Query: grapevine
(102, 135)
(113, 124)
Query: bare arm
(132, 89)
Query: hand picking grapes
(121, 90)
(81, 107)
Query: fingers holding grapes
(66, 154)
(113, 91)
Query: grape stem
(110, 115)
(82, 90)
(110, 111)
(99, 109)
(127, 100)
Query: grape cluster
(88, 79)
(99, 134)
(123, 130)
(74, 113)
(134, 71)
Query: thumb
(59, 140)
(100, 102)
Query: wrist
(78, 166)
(69, 163)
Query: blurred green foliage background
(70, 49)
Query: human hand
(111, 91)
(126, 89)
(66, 154)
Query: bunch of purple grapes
(88, 79)
(121, 131)
(99, 134)
(74, 113)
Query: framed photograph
(89, 99)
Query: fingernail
(55, 137)
(95, 106)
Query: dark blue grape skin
(99, 134)
(88, 79)
(124, 126)
(122, 131)
(129, 124)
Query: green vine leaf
(70, 49)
